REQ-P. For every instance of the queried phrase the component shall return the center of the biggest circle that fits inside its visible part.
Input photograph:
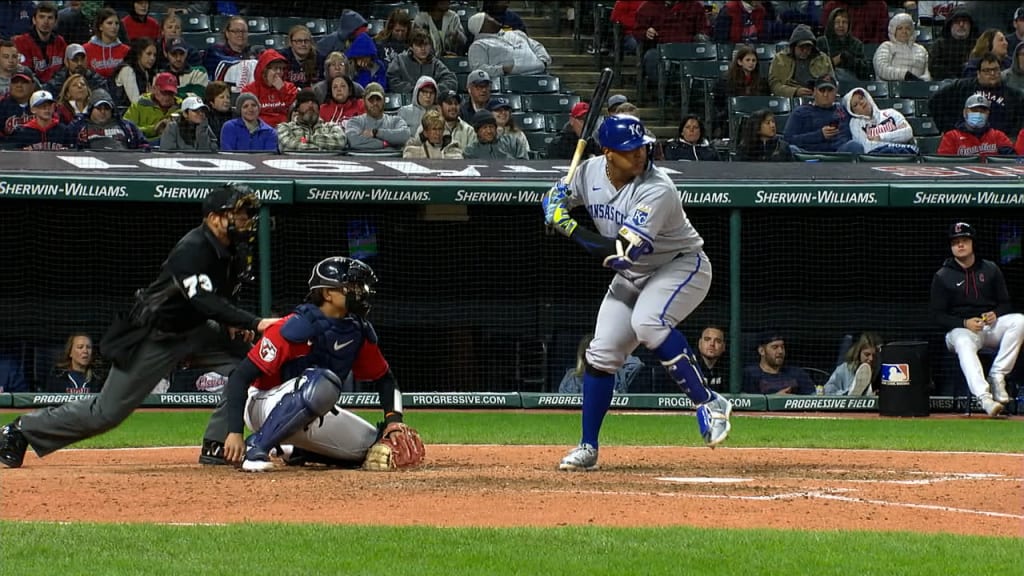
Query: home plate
(706, 480)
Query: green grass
(278, 549)
(28, 548)
(976, 434)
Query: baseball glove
(399, 447)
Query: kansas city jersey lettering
(606, 212)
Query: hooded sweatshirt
(412, 113)
(786, 74)
(405, 69)
(44, 58)
(363, 46)
(350, 24)
(118, 134)
(33, 136)
(947, 54)
(895, 59)
(958, 293)
(104, 58)
(275, 104)
(332, 111)
(849, 48)
(1014, 75)
(966, 141)
(881, 128)
(1007, 105)
(450, 38)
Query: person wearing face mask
(1006, 104)
(973, 136)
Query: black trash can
(906, 378)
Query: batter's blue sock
(597, 398)
(679, 360)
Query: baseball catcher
(293, 380)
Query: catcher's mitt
(399, 447)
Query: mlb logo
(895, 373)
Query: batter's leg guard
(679, 360)
(315, 394)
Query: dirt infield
(518, 486)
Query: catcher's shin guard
(315, 394)
(678, 359)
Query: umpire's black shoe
(212, 453)
(12, 445)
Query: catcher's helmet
(623, 133)
(353, 276)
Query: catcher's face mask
(357, 297)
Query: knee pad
(319, 389)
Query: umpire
(188, 311)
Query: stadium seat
(669, 56)
(258, 24)
(702, 75)
(514, 100)
(549, 103)
(937, 159)
(275, 41)
(824, 157)
(555, 122)
(195, 23)
(1005, 159)
(923, 126)
(375, 25)
(394, 100)
(530, 121)
(888, 158)
(928, 144)
(869, 52)
(765, 52)
(780, 122)
(877, 89)
(539, 142)
(742, 106)
(201, 40)
(904, 106)
(725, 51)
(924, 36)
(913, 89)
(530, 84)
(457, 64)
(282, 24)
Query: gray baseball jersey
(649, 205)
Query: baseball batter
(662, 275)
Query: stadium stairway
(578, 73)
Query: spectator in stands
(248, 133)
(900, 58)
(41, 48)
(934, 13)
(711, 348)
(44, 131)
(853, 376)
(442, 25)
(139, 24)
(394, 38)
(992, 13)
(305, 63)
(771, 375)
(507, 19)
(624, 13)
(15, 18)
(741, 22)
(979, 315)
(343, 102)
(948, 53)
(614, 102)
(845, 50)
(190, 131)
(418, 61)
(104, 52)
(743, 78)
(351, 25)
(973, 136)
(218, 99)
(993, 41)
(868, 18)
(14, 108)
(424, 97)
(75, 63)
(572, 381)
(75, 372)
(73, 99)
(306, 132)
(759, 141)
(502, 110)
(878, 131)
(563, 146)
(192, 80)
(667, 22)
(1017, 37)
(478, 84)
(275, 94)
(235, 47)
(153, 110)
(366, 67)
(170, 30)
(134, 76)
(794, 71)
(691, 143)
(458, 129)
(10, 64)
(1013, 77)
(12, 378)
(489, 145)
(822, 125)
(1007, 104)
(335, 65)
(375, 130)
(502, 52)
(103, 129)
(430, 141)
(72, 23)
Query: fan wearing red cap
(14, 110)
(564, 145)
(155, 109)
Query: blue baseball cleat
(713, 419)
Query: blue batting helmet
(623, 133)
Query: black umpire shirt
(199, 280)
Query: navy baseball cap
(768, 336)
(961, 230)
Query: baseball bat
(597, 99)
